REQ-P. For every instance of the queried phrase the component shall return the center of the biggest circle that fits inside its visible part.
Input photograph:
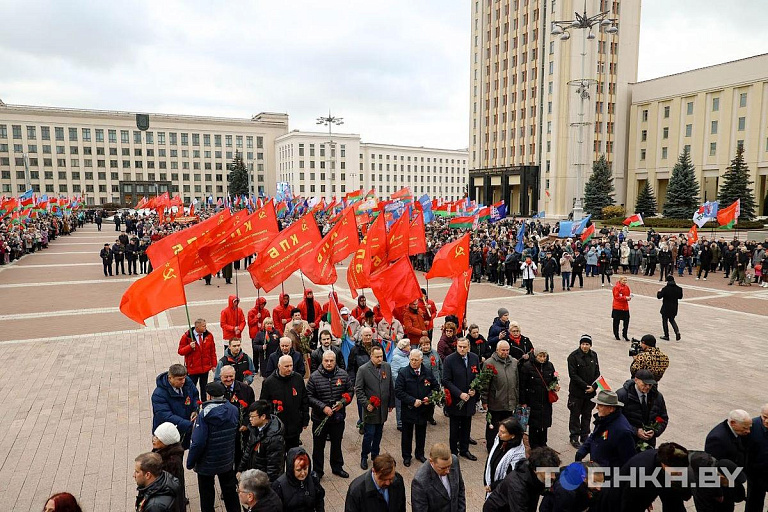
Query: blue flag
(346, 347)
(498, 212)
(27, 194)
(520, 238)
(581, 226)
(426, 206)
(566, 229)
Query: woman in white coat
(528, 268)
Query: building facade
(319, 164)
(709, 111)
(104, 157)
(523, 145)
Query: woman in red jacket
(199, 351)
(621, 297)
(256, 317)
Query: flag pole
(301, 274)
(237, 292)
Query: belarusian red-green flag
(588, 233)
(462, 222)
(634, 220)
(729, 216)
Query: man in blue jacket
(175, 399)
(611, 444)
(212, 451)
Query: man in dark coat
(118, 254)
(548, 270)
(212, 452)
(175, 399)
(716, 498)
(611, 443)
(374, 379)
(498, 331)
(644, 407)
(671, 458)
(240, 395)
(323, 346)
(106, 259)
(285, 348)
(583, 371)
(727, 439)
(757, 462)
(705, 260)
(521, 488)
(330, 391)
(579, 264)
(157, 489)
(428, 488)
(237, 358)
(265, 449)
(413, 388)
(669, 295)
(381, 489)
(286, 388)
(459, 370)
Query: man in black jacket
(330, 391)
(644, 407)
(265, 449)
(256, 494)
(106, 259)
(381, 489)
(459, 370)
(521, 488)
(727, 439)
(414, 385)
(157, 489)
(324, 345)
(583, 371)
(669, 295)
(579, 264)
(548, 269)
(757, 462)
(118, 254)
(286, 388)
(285, 348)
(240, 395)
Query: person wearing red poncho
(256, 317)
(232, 319)
(281, 314)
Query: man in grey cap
(612, 442)
(644, 407)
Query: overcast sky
(396, 71)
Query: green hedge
(661, 222)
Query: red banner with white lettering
(165, 248)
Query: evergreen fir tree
(599, 191)
(682, 190)
(736, 185)
(238, 177)
(646, 201)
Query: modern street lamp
(330, 121)
(588, 25)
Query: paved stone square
(76, 398)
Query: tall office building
(523, 145)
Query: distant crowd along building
(106, 158)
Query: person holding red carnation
(414, 385)
(265, 449)
(644, 408)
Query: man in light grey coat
(501, 396)
(373, 383)
(438, 485)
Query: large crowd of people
(400, 373)
(34, 234)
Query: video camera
(634, 347)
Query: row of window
(124, 164)
(150, 152)
(149, 137)
(689, 107)
(712, 149)
(102, 176)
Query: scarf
(510, 458)
(516, 339)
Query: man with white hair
(413, 387)
(285, 349)
(757, 462)
(255, 492)
(375, 393)
(286, 391)
(728, 439)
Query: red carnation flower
(243, 403)
(247, 372)
(199, 402)
(448, 397)
(659, 419)
(347, 398)
(432, 361)
(375, 401)
(294, 392)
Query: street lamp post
(330, 121)
(562, 28)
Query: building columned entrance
(518, 186)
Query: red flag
(195, 267)
(399, 238)
(377, 243)
(164, 249)
(285, 253)
(396, 285)
(336, 326)
(176, 201)
(417, 242)
(338, 243)
(160, 290)
(359, 268)
(247, 237)
(455, 302)
(693, 235)
(451, 260)
(192, 210)
(142, 203)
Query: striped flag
(602, 384)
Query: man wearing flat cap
(611, 443)
(644, 407)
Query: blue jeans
(398, 408)
(371, 440)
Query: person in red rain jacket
(232, 319)
(199, 351)
(256, 317)
(378, 316)
(414, 322)
(361, 309)
(282, 313)
(621, 297)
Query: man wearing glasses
(256, 494)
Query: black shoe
(626, 339)
(472, 441)
(432, 421)
(319, 475)
(407, 462)
(421, 459)
(618, 339)
(665, 338)
(468, 456)
(341, 473)
(399, 429)
(364, 464)
(575, 443)
(677, 337)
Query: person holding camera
(646, 356)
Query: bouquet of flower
(304, 340)
(438, 397)
(346, 399)
(374, 402)
(555, 382)
(481, 382)
(655, 424)
(278, 405)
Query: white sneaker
(705, 278)
(602, 284)
(698, 278)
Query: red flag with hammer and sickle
(164, 249)
(451, 260)
(399, 238)
(338, 243)
(152, 294)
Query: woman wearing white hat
(166, 442)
